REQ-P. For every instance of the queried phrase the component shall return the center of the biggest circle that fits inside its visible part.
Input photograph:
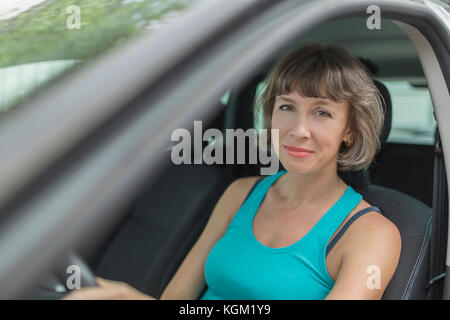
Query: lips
(297, 152)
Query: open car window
(412, 119)
(42, 39)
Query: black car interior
(169, 215)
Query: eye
(324, 114)
(285, 107)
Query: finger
(90, 293)
(83, 294)
(107, 283)
(100, 281)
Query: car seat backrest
(413, 220)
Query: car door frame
(88, 163)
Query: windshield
(42, 38)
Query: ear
(348, 135)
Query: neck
(300, 191)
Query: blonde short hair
(316, 69)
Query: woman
(287, 239)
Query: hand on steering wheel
(108, 290)
(95, 288)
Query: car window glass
(16, 82)
(225, 98)
(412, 114)
(43, 38)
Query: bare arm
(370, 261)
(189, 281)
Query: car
(87, 177)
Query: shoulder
(374, 238)
(372, 252)
(237, 191)
(239, 188)
(243, 184)
(375, 227)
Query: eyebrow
(321, 101)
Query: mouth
(297, 152)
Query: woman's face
(316, 124)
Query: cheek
(330, 138)
(325, 138)
(282, 123)
(275, 120)
(278, 124)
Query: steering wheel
(71, 274)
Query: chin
(295, 167)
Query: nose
(301, 128)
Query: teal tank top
(239, 267)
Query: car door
(68, 177)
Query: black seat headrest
(387, 106)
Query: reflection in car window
(412, 114)
(42, 38)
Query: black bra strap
(349, 222)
